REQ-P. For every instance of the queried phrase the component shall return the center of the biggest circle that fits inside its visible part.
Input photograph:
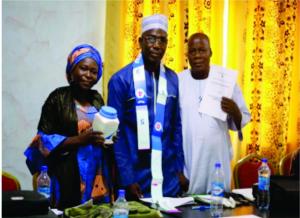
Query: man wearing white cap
(148, 152)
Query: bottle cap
(121, 193)
(218, 164)
(108, 112)
(264, 160)
(44, 168)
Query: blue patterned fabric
(135, 166)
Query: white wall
(37, 36)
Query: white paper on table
(227, 202)
(168, 204)
(220, 82)
(57, 212)
(246, 192)
(242, 216)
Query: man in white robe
(206, 139)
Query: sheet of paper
(227, 202)
(243, 216)
(246, 192)
(220, 82)
(168, 204)
(57, 212)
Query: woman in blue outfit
(75, 154)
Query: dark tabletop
(187, 212)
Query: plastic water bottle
(121, 209)
(107, 122)
(43, 182)
(217, 191)
(263, 196)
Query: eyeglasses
(152, 39)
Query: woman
(75, 154)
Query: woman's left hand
(109, 143)
(114, 138)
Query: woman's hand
(84, 138)
(115, 138)
(109, 143)
(91, 137)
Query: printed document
(220, 82)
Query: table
(187, 212)
(49, 215)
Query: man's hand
(183, 181)
(230, 107)
(134, 191)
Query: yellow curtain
(271, 79)
(262, 44)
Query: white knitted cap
(156, 21)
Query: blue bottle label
(263, 183)
(218, 189)
(44, 191)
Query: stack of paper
(168, 204)
(227, 202)
(246, 192)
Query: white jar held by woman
(107, 122)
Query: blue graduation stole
(143, 122)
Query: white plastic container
(107, 122)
